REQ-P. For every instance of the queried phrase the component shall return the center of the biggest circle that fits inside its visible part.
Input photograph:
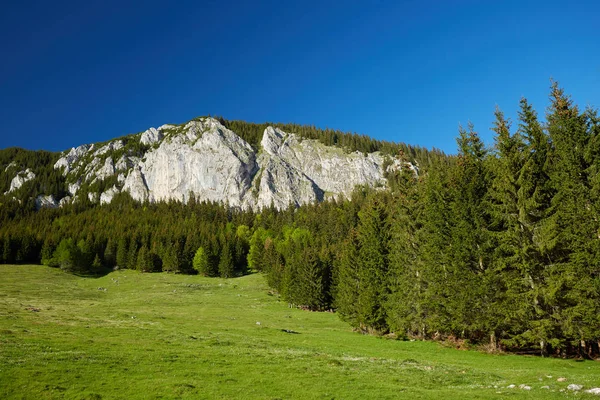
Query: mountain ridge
(206, 159)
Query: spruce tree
(434, 249)
(47, 254)
(466, 295)
(522, 260)
(226, 267)
(110, 253)
(348, 280)
(132, 254)
(571, 289)
(201, 263)
(373, 236)
(7, 253)
(122, 252)
(508, 307)
(404, 306)
(144, 261)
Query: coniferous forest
(497, 245)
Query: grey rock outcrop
(72, 157)
(108, 195)
(74, 187)
(112, 146)
(45, 202)
(64, 201)
(108, 169)
(206, 160)
(151, 136)
(324, 165)
(20, 179)
(9, 166)
(136, 185)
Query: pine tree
(7, 253)
(348, 281)
(404, 306)
(509, 307)
(523, 261)
(122, 252)
(110, 253)
(47, 254)
(257, 248)
(201, 263)
(373, 236)
(466, 298)
(132, 254)
(571, 289)
(226, 267)
(170, 258)
(96, 264)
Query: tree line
(496, 245)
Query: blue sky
(85, 71)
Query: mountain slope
(210, 162)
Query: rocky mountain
(210, 162)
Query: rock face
(151, 136)
(107, 196)
(72, 157)
(206, 160)
(45, 202)
(209, 161)
(20, 179)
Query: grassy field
(129, 335)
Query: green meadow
(129, 335)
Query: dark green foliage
(226, 262)
(498, 246)
(122, 252)
(347, 280)
(144, 260)
(41, 163)
(404, 308)
(47, 254)
(373, 237)
(253, 133)
(110, 253)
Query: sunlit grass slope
(142, 336)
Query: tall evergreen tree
(571, 289)
(508, 304)
(373, 236)
(467, 296)
(122, 252)
(404, 307)
(226, 266)
(348, 284)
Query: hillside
(496, 246)
(139, 336)
(258, 166)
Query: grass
(148, 336)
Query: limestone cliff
(206, 160)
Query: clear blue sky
(75, 72)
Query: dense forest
(497, 246)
